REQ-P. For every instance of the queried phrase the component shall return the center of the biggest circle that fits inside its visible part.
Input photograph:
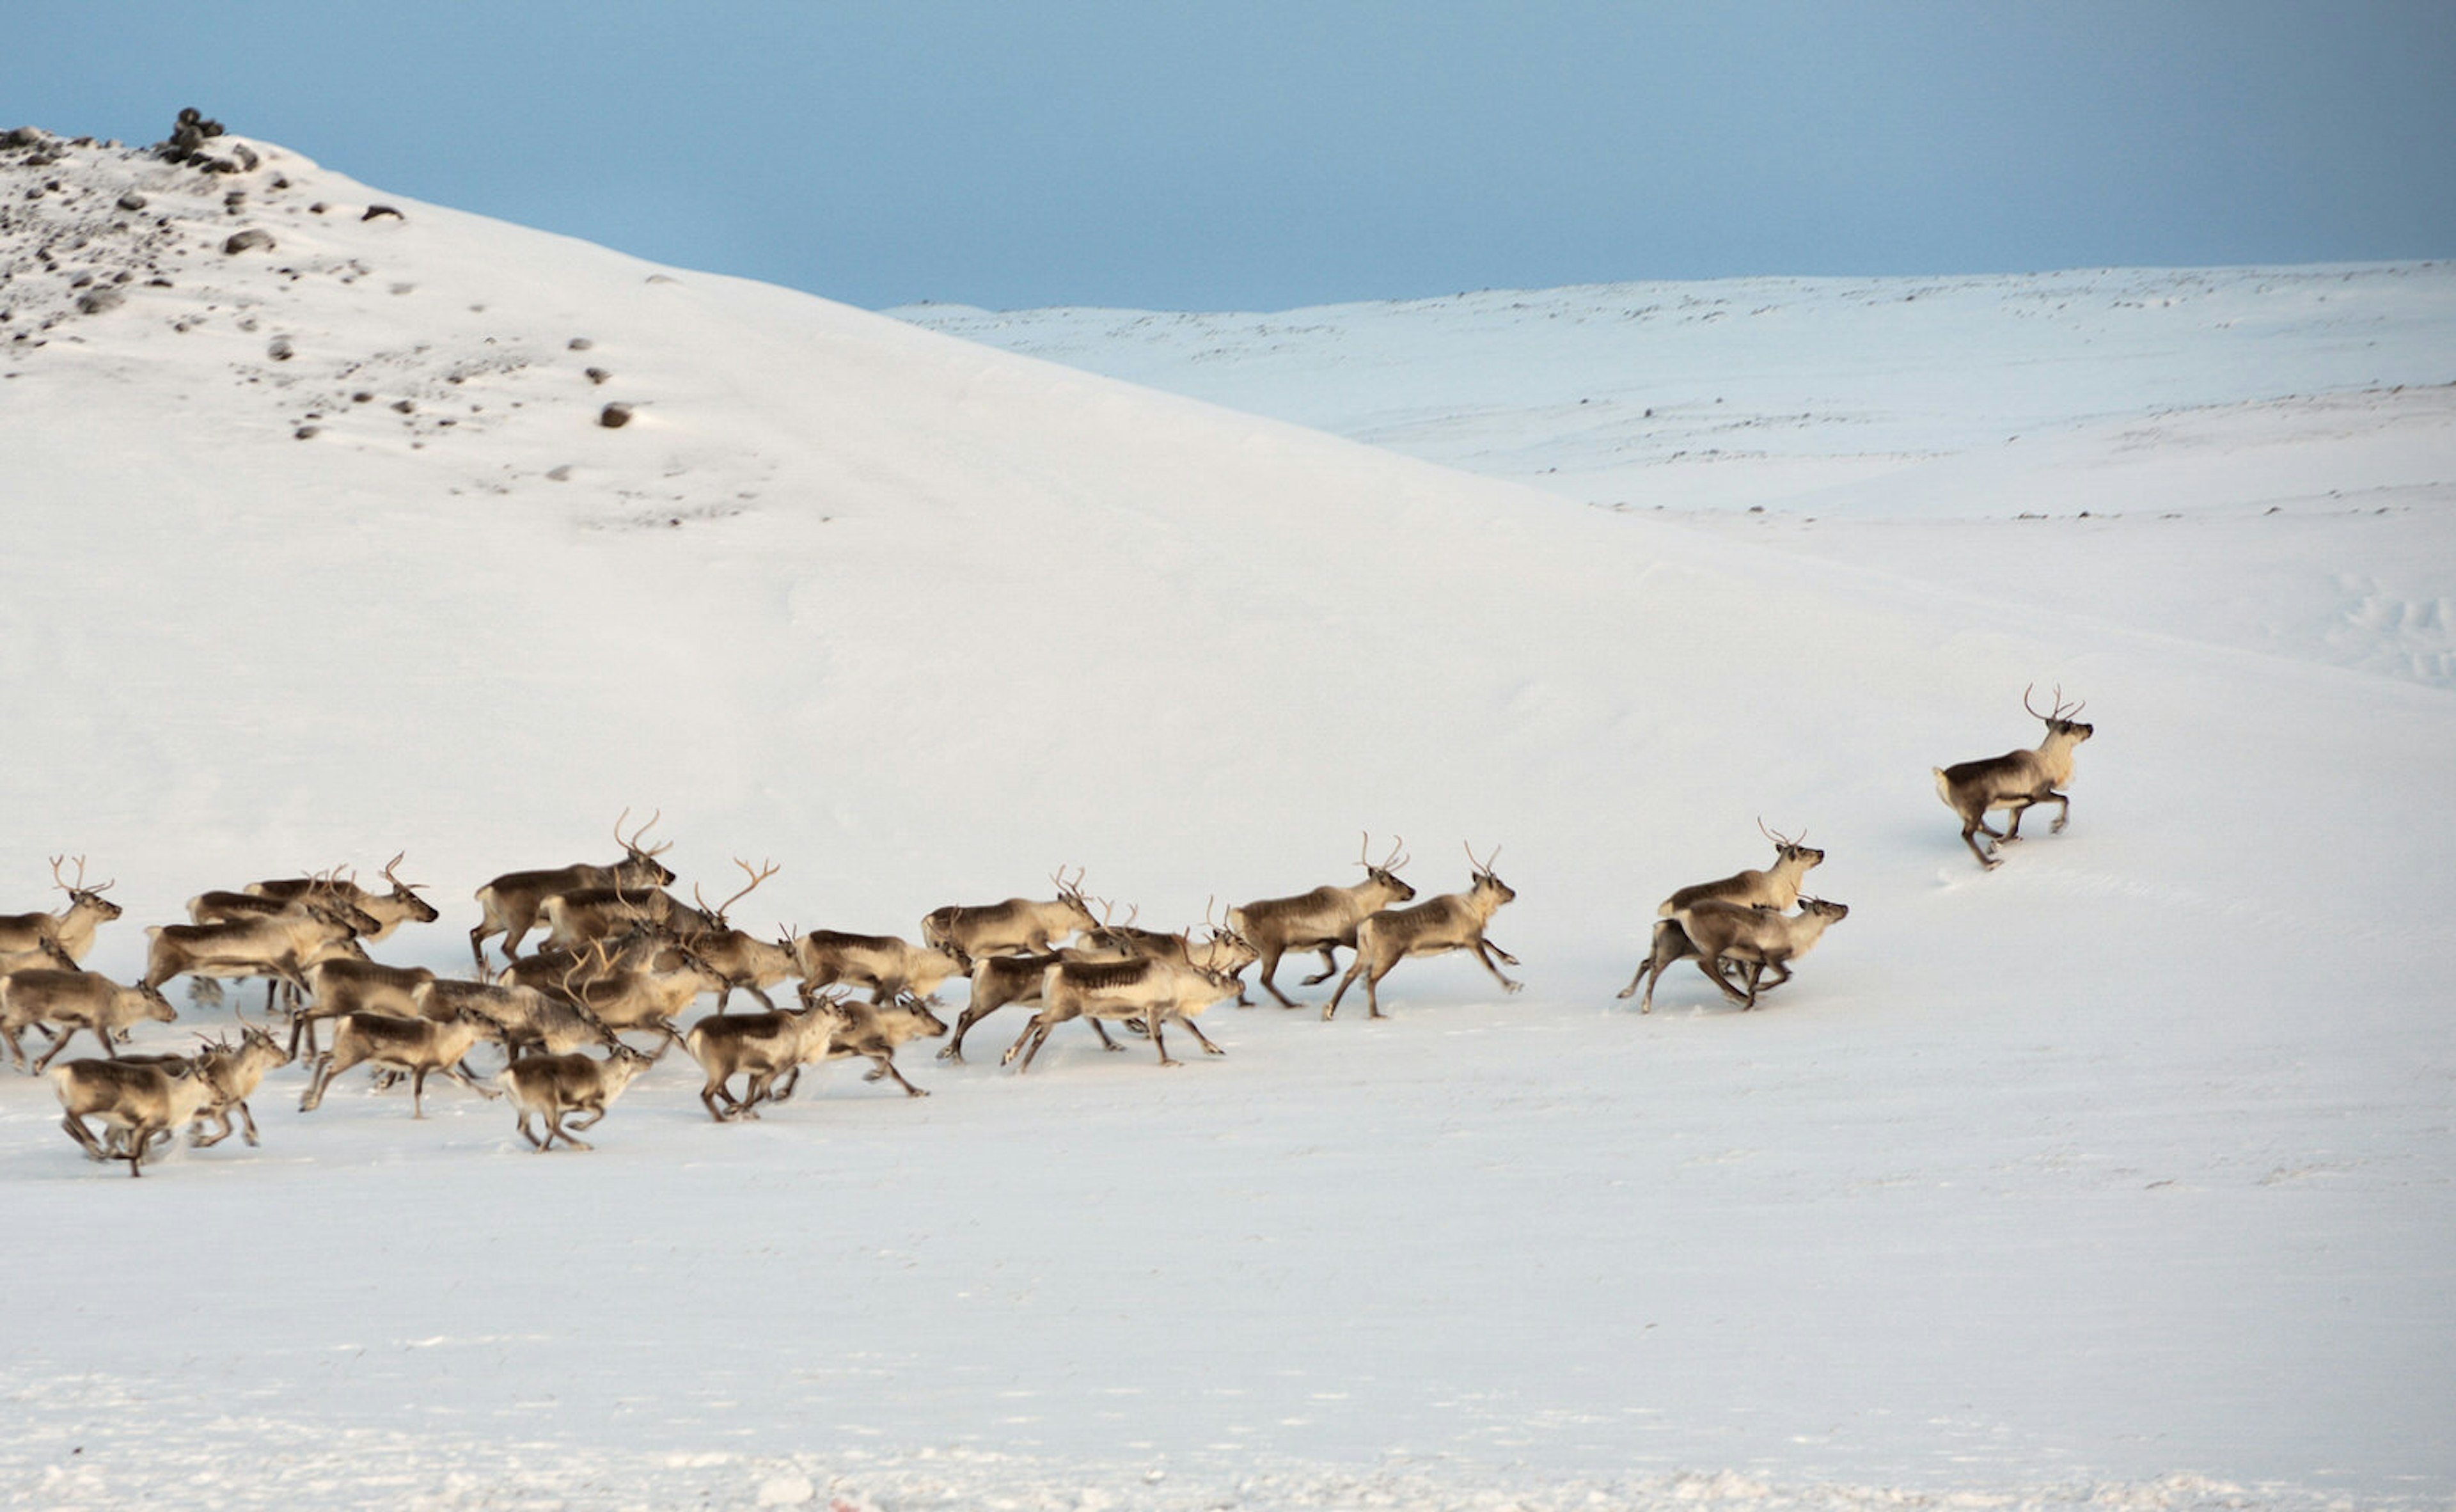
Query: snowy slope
(1892, 423)
(2120, 1174)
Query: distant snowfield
(2120, 1176)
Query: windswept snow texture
(2118, 1177)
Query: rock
(598, 375)
(581, 343)
(614, 416)
(131, 200)
(279, 349)
(374, 211)
(99, 300)
(250, 240)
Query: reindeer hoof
(1213, 1050)
(1514, 986)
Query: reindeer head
(640, 866)
(1487, 882)
(1788, 848)
(158, 1007)
(1387, 872)
(2059, 721)
(405, 893)
(1071, 896)
(1822, 910)
(81, 896)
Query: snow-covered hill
(2118, 1176)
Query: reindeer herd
(621, 955)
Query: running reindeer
(511, 901)
(1776, 888)
(2015, 780)
(1322, 920)
(1454, 921)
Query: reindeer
(577, 919)
(1759, 938)
(998, 981)
(139, 1104)
(551, 1086)
(872, 1030)
(743, 960)
(1322, 920)
(345, 984)
(760, 1045)
(72, 928)
(416, 1046)
(233, 1072)
(642, 998)
(1155, 990)
(1454, 921)
(529, 1020)
(2015, 780)
(511, 901)
(74, 1000)
(886, 964)
(1777, 887)
(277, 945)
(389, 911)
(1016, 926)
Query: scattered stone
(598, 375)
(374, 211)
(249, 241)
(362, 396)
(305, 433)
(614, 416)
(581, 343)
(405, 406)
(99, 300)
(317, 208)
(131, 202)
(561, 474)
(279, 349)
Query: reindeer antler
(757, 875)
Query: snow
(2120, 1176)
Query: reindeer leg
(2063, 812)
(1196, 1030)
(522, 1125)
(77, 1127)
(1152, 1028)
(1484, 952)
(1329, 968)
(1270, 963)
(1355, 969)
(1106, 1043)
(418, 1092)
(887, 1068)
(2012, 825)
(556, 1131)
(1969, 830)
(1712, 966)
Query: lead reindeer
(1454, 921)
(1322, 920)
(1775, 887)
(2015, 780)
(72, 928)
(510, 903)
(1016, 926)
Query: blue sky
(1261, 155)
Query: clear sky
(1268, 154)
